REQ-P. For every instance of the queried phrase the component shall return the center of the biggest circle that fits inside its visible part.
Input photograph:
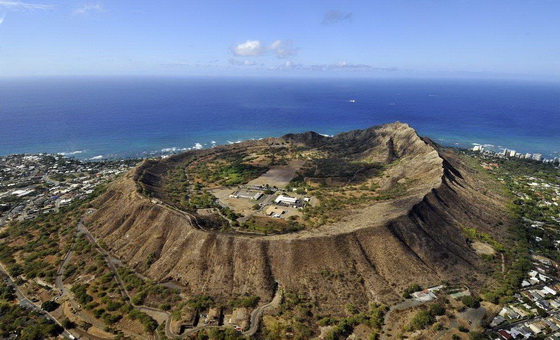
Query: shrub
(421, 320)
(437, 309)
(471, 301)
(408, 291)
(49, 306)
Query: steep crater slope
(372, 254)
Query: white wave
(325, 135)
(96, 157)
(198, 146)
(71, 153)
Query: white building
(537, 157)
(286, 199)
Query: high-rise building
(537, 157)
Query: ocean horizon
(99, 118)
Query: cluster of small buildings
(238, 318)
(545, 327)
(507, 153)
(273, 201)
(31, 185)
(524, 318)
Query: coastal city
(510, 153)
(31, 185)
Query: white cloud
(89, 8)
(283, 49)
(255, 48)
(21, 6)
(250, 48)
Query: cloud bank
(255, 48)
(23, 6)
(339, 66)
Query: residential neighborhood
(31, 185)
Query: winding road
(257, 313)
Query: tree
(68, 324)
(421, 320)
(49, 306)
(437, 309)
(471, 301)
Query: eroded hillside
(405, 226)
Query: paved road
(26, 303)
(256, 315)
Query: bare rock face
(371, 255)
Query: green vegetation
(23, 323)
(471, 301)
(219, 334)
(200, 302)
(228, 169)
(421, 320)
(245, 301)
(529, 185)
(33, 248)
(269, 225)
(50, 305)
(407, 294)
(473, 234)
(150, 325)
(146, 292)
(425, 318)
(343, 327)
(26, 324)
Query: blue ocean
(129, 117)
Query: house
(507, 312)
(535, 328)
(555, 303)
(553, 326)
(504, 334)
(549, 290)
(425, 295)
(498, 320)
(519, 311)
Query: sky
(378, 38)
